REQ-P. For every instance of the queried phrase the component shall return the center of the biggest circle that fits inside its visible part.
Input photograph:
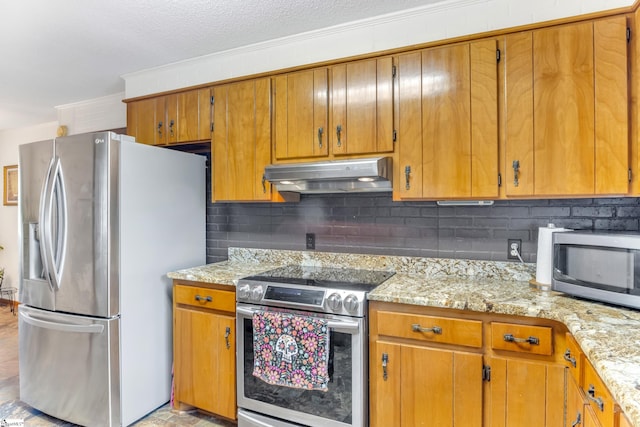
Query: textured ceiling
(65, 51)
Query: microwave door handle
(43, 229)
(332, 324)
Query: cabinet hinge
(629, 174)
(499, 179)
(486, 373)
(498, 55)
(628, 34)
(395, 135)
(393, 71)
(213, 98)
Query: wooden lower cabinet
(204, 349)
(446, 367)
(526, 393)
(432, 384)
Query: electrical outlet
(514, 247)
(311, 241)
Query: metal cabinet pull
(578, 420)
(338, 133)
(206, 299)
(417, 328)
(530, 340)
(160, 128)
(385, 360)
(227, 332)
(591, 395)
(516, 172)
(320, 132)
(171, 123)
(568, 358)
(264, 184)
(407, 174)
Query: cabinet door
(580, 101)
(611, 106)
(448, 137)
(385, 398)
(408, 176)
(440, 387)
(446, 122)
(362, 107)
(241, 141)
(205, 361)
(142, 122)
(186, 118)
(575, 404)
(526, 393)
(518, 100)
(301, 114)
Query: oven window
(334, 404)
(610, 269)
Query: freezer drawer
(69, 366)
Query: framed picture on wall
(10, 185)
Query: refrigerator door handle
(53, 258)
(64, 327)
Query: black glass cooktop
(325, 277)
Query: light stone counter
(609, 336)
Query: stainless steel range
(329, 301)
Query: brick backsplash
(374, 224)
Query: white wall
(9, 142)
(433, 22)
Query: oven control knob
(256, 293)
(334, 301)
(243, 292)
(351, 303)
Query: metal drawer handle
(530, 340)
(578, 420)
(385, 360)
(591, 395)
(320, 132)
(417, 328)
(568, 358)
(227, 332)
(206, 299)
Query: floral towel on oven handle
(291, 350)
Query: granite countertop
(609, 336)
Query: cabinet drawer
(430, 328)
(522, 338)
(214, 299)
(598, 396)
(573, 359)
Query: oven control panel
(334, 301)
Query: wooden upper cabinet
(241, 141)
(448, 122)
(348, 107)
(301, 114)
(141, 121)
(567, 129)
(171, 119)
(362, 107)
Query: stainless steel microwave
(599, 266)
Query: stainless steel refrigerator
(102, 220)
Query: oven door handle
(332, 324)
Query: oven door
(345, 401)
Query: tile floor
(12, 408)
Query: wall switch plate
(311, 241)
(514, 248)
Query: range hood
(337, 176)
